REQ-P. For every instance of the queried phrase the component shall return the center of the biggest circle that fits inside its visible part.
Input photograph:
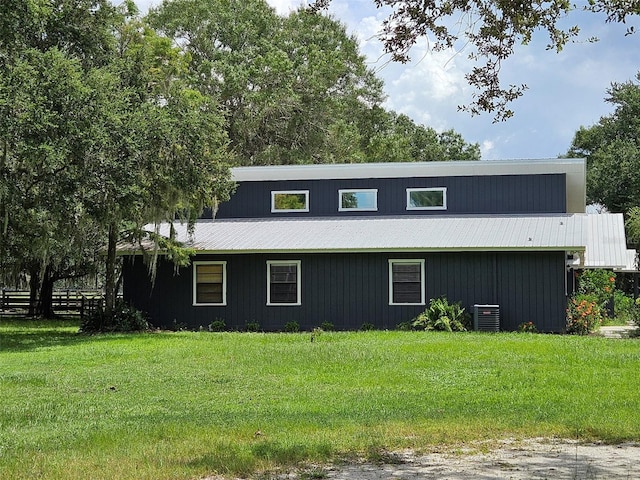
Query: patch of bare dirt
(508, 459)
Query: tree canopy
(612, 150)
(295, 89)
(94, 150)
(489, 31)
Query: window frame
(406, 261)
(298, 264)
(289, 192)
(427, 189)
(358, 190)
(195, 283)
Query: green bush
(443, 316)
(327, 326)
(599, 284)
(584, 314)
(125, 318)
(366, 326)
(292, 327)
(527, 327)
(405, 326)
(218, 325)
(252, 327)
(636, 312)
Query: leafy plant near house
(443, 316)
(218, 325)
(292, 327)
(587, 308)
(124, 318)
(366, 326)
(599, 284)
(527, 327)
(584, 314)
(252, 327)
(636, 312)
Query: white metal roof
(564, 232)
(574, 169)
(606, 245)
(631, 265)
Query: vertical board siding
(506, 194)
(351, 289)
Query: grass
(187, 405)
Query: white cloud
(486, 147)
(284, 7)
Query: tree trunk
(34, 288)
(44, 306)
(110, 275)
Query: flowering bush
(527, 327)
(584, 314)
(598, 283)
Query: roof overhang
(558, 232)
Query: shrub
(252, 327)
(366, 326)
(405, 326)
(125, 318)
(584, 314)
(443, 316)
(636, 312)
(599, 284)
(327, 326)
(218, 325)
(626, 310)
(292, 327)
(527, 327)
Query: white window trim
(285, 192)
(224, 284)
(358, 190)
(393, 261)
(433, 189)
(297, 263)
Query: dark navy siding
(351, 289)
(507, 194)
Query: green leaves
(612, 148)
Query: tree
(489, 30)
(159, 147)
(612, 150)
(291, 86)
(45, 106)
(397, 138)
(92, 151)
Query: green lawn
(187, 405)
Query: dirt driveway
(530, 459)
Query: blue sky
(566, 90)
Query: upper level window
(362, 200)
(209, 283)
(283, 282)
(427, 198)
(290, 201)
(406, 282)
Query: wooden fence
(68, 302)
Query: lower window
(209, 283)
(283, 282)
(406, 282)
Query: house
(372, 243)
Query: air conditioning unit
(486, 318)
